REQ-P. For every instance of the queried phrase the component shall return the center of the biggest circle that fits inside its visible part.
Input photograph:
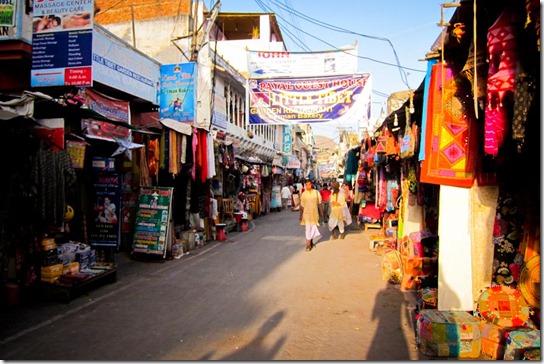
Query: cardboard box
(448, 334)
(52, 271)
(71, 268)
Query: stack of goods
(505, 314)
(419, 253)
(522, 344)
(453, 334)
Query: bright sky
(309, 25)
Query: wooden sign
(153, 226)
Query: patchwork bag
(408, 141)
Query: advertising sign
(287, 139)
(111, 108)
(275, 64)
(177, 92)
(152, 231)
(308, 100)
(104, 226)
(62, 43)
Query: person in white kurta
(310, 210)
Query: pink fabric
(195, 145)
(502, 50)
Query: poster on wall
(153, 226)
(104, 224)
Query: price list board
(153, 224)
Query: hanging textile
(53, 173)
(425, 113)
(211, 155)
(503, 55)
(202, 155)
(450, 139)
(195, 159)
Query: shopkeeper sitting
(242, 204)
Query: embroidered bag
(381, 143)
(392, 146)
(407, 143)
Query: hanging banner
(104, 227)
(326, 170)
(308, 100)
(152, 230)
(111, 108)
(274, 64)
(177, 92)
(62, 43)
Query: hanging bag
(408, 142)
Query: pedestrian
(338, 218)
(296, 198)
(310, 211)
(285, 197)
(326, 201)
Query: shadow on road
(255, 348)
(389, 342)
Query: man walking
(326, 201)
(285, 197)
(310, 212)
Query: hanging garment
(426, 102)
(451, 145)
(503, 55)
(210, 155)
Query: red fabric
(502, 50)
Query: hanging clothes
(53, 174)
(503, 55)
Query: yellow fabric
(309, 201)
(337, 201)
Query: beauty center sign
(309, 99)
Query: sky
(319, 25)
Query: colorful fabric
(502, 50)
(519, 340)
(450, 132)
(503, 306)
(425, 114)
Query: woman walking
(337, 217)
(310, 211)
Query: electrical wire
(402, 70)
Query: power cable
(342, 30)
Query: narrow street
(257, 296)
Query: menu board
(152, 230)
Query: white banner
(273, 64)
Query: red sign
(81, 76)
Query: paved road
(257, 296)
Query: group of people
(323, 206)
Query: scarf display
(450, 136)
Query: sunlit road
(257, 296)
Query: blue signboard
(177, 92)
